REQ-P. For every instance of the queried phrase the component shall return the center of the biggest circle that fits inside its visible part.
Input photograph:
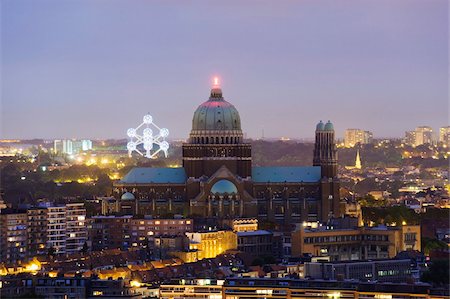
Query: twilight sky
(93, 68)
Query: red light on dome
(216, 81)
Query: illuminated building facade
(210, 244)
(424, 135)
(444, 136)
(240, 288)
(66, 228)
(13, 235)
(109, 232)
(245, 224)
(360, 243)
(192, 288)
(358, 160)
(217, 180)
(410, 138)
(69, 147)
(76, 232)
(37, 231)
(391, 270)
(356, 136)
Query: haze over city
(92, 69)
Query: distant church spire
(358, 160)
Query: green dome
(224, 186)
(216, 114)
(320, 126)
(329, 126)
(127, 196)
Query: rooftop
(146, 175)
(253, 233)
(288, 174)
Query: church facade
(217, 180)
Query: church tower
(216, 139)
(325, 153)
(325, 156)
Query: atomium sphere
(148, 146)
(164, 132)
(131, 132)
(131, 146)
(148, 132)
(164, 146)
(148, 139)
(148, 119)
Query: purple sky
(92, 68)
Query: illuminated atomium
(147, 139)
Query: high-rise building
(110, 232)
(424, 135)
(70, 147)
(410, 138)
(13, 236)
(63, 146)
(444, 136)
(357, 136)
(37, 231)
(76, 232)
(66, 228)
(56, 229)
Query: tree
(51, 251)
(85, 248)
(429, 245)
(438, 273)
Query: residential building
(13, 235)
(257, 243)
(391, 270)
(56, 229)
(444, 136)
(240, 288)
(424, 135)
(37, 231)
(360, 243)
(110, 232)
(64, 287)
(76, 232)
(70, 147)
(192, 288)
(356, 136)
(410, 138)
(107, 232)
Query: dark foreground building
(218, 181)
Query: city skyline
(63, 78)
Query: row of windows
(216, 140)
(346, 238)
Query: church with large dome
(217, 181)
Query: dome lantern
(216, 120)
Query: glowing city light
(135, 284)
(147, 139)
(216, 81)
